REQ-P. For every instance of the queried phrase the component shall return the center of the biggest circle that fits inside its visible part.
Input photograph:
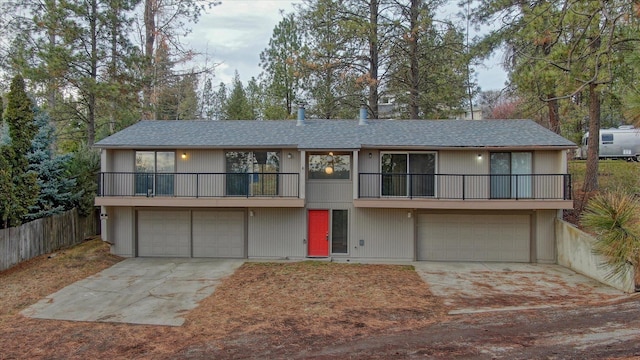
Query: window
(329, 166)
(339, 231)
(252, 173)
(408, 174)
(155, 173)
(607, 138)
(510, 175)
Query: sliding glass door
(511, 175)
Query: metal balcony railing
(199, 185)
(465, 187)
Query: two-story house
(346, 189)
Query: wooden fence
(44, 236)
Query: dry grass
(261, 304)
(319, 298)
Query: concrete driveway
(482, 287)
(137, 291)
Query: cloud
(235, 33)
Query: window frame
(346, 228)
(325, 163)
(166, 178)
(508, 186)
(409, 183)
(253, 176)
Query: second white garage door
(218, 234)
(478, 237)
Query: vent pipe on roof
(363, 115)
(300, 121)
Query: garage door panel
(163, 233)
(218, 234)
(453, 237)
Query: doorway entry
(318, 225)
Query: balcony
(459, 191)
(199, 189)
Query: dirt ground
(314, 310)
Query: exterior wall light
(329, 168)
(289, 156)
(479, 156)
(184, 155)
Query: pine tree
(56, 189)
(6, 186)
(24, 188)
(238, 107)
(83, 167)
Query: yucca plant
(614, 218)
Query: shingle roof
(335, 134)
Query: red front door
(318, 232)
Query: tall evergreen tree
(237, 106)
(56, 188)
(281, 65)
(19, 119)
(6, 184)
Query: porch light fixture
(289, 156)
(479, 156)
(184, 155)
(329, 168)
(370, 155)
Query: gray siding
(547, 162)
(200, 161)
(387, 234)
(463, 162)
(544, 233)
(329, 191)
(290, 165)
(277, 233)
(121, 231)
(369, 165)
(123, 160)
(203, 161)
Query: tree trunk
(554, 114)
(150, 38)
(91, 117)
(414, 68)
(114, 64)
(52, 91)
(593, 143)
(373, 58)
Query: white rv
(616, 143)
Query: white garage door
(218, 234)
(164, 233)
(454, 237)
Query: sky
(234, 34)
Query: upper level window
(510, 175)
(329, 166)
(154, 172)
(408, 174)
(252, 173)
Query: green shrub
(614, 218)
